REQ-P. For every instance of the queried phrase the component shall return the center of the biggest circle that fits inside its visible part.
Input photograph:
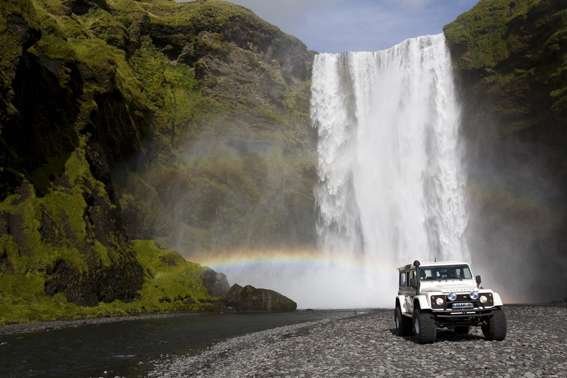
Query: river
(128, 348)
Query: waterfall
(391, 184)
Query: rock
(250, 299)
(89, 124)
(509, 117)
(215, 283)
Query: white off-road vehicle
(445, 295)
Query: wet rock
(215, 283)
(251, 299)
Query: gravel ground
(366, 346)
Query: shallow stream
(127, 348)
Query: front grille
(462, 302)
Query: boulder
(215, 283)
(250, 299)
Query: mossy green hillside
(62, 245)
(515, 53)
(241, 175)
(171, 284)
(136, 120)
(510, 60)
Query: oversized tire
(462, 330)
(424, 327)
(496, 327)
(403, 323)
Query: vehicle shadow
(445, 335)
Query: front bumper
(465, 317)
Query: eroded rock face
(510, 61)
(128, 120)
(57, 154)
(215, 283)
(250, 299)
(225, 180)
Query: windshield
(437, 273)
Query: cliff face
(241, 175)
(511, 62)
(124, 120)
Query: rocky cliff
(511, 63)
(241, 174)
(124, 120)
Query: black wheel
(462, 330)
(403, 323)
(424, 327)
(496, 327)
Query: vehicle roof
(434, 263)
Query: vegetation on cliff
(515, 51)
(510, 58)
(126, 120)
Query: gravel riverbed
(365, 345)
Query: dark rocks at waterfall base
(215, 283)
(244, 299)
(365, 345)
(251, 299)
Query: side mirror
(478, 281)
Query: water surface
(127, 348)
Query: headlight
(452, 297)
(483, 299)
(474, 295)
(439, 301)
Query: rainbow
(231, 260)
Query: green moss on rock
(514, 51)
(116, 114)
(172, 282)
(510, 60)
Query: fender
(403, 305)
(497, 299)
(423, 303)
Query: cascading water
(391, 183)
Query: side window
(403, 279)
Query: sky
(357, 25)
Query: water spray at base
(391, 183)
(307, 276)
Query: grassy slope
(142, 81)
(510, 58)
(126, 89)
(148, 81)
(242, 174)
(171, 284)
(515, 53)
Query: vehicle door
(408, 288)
